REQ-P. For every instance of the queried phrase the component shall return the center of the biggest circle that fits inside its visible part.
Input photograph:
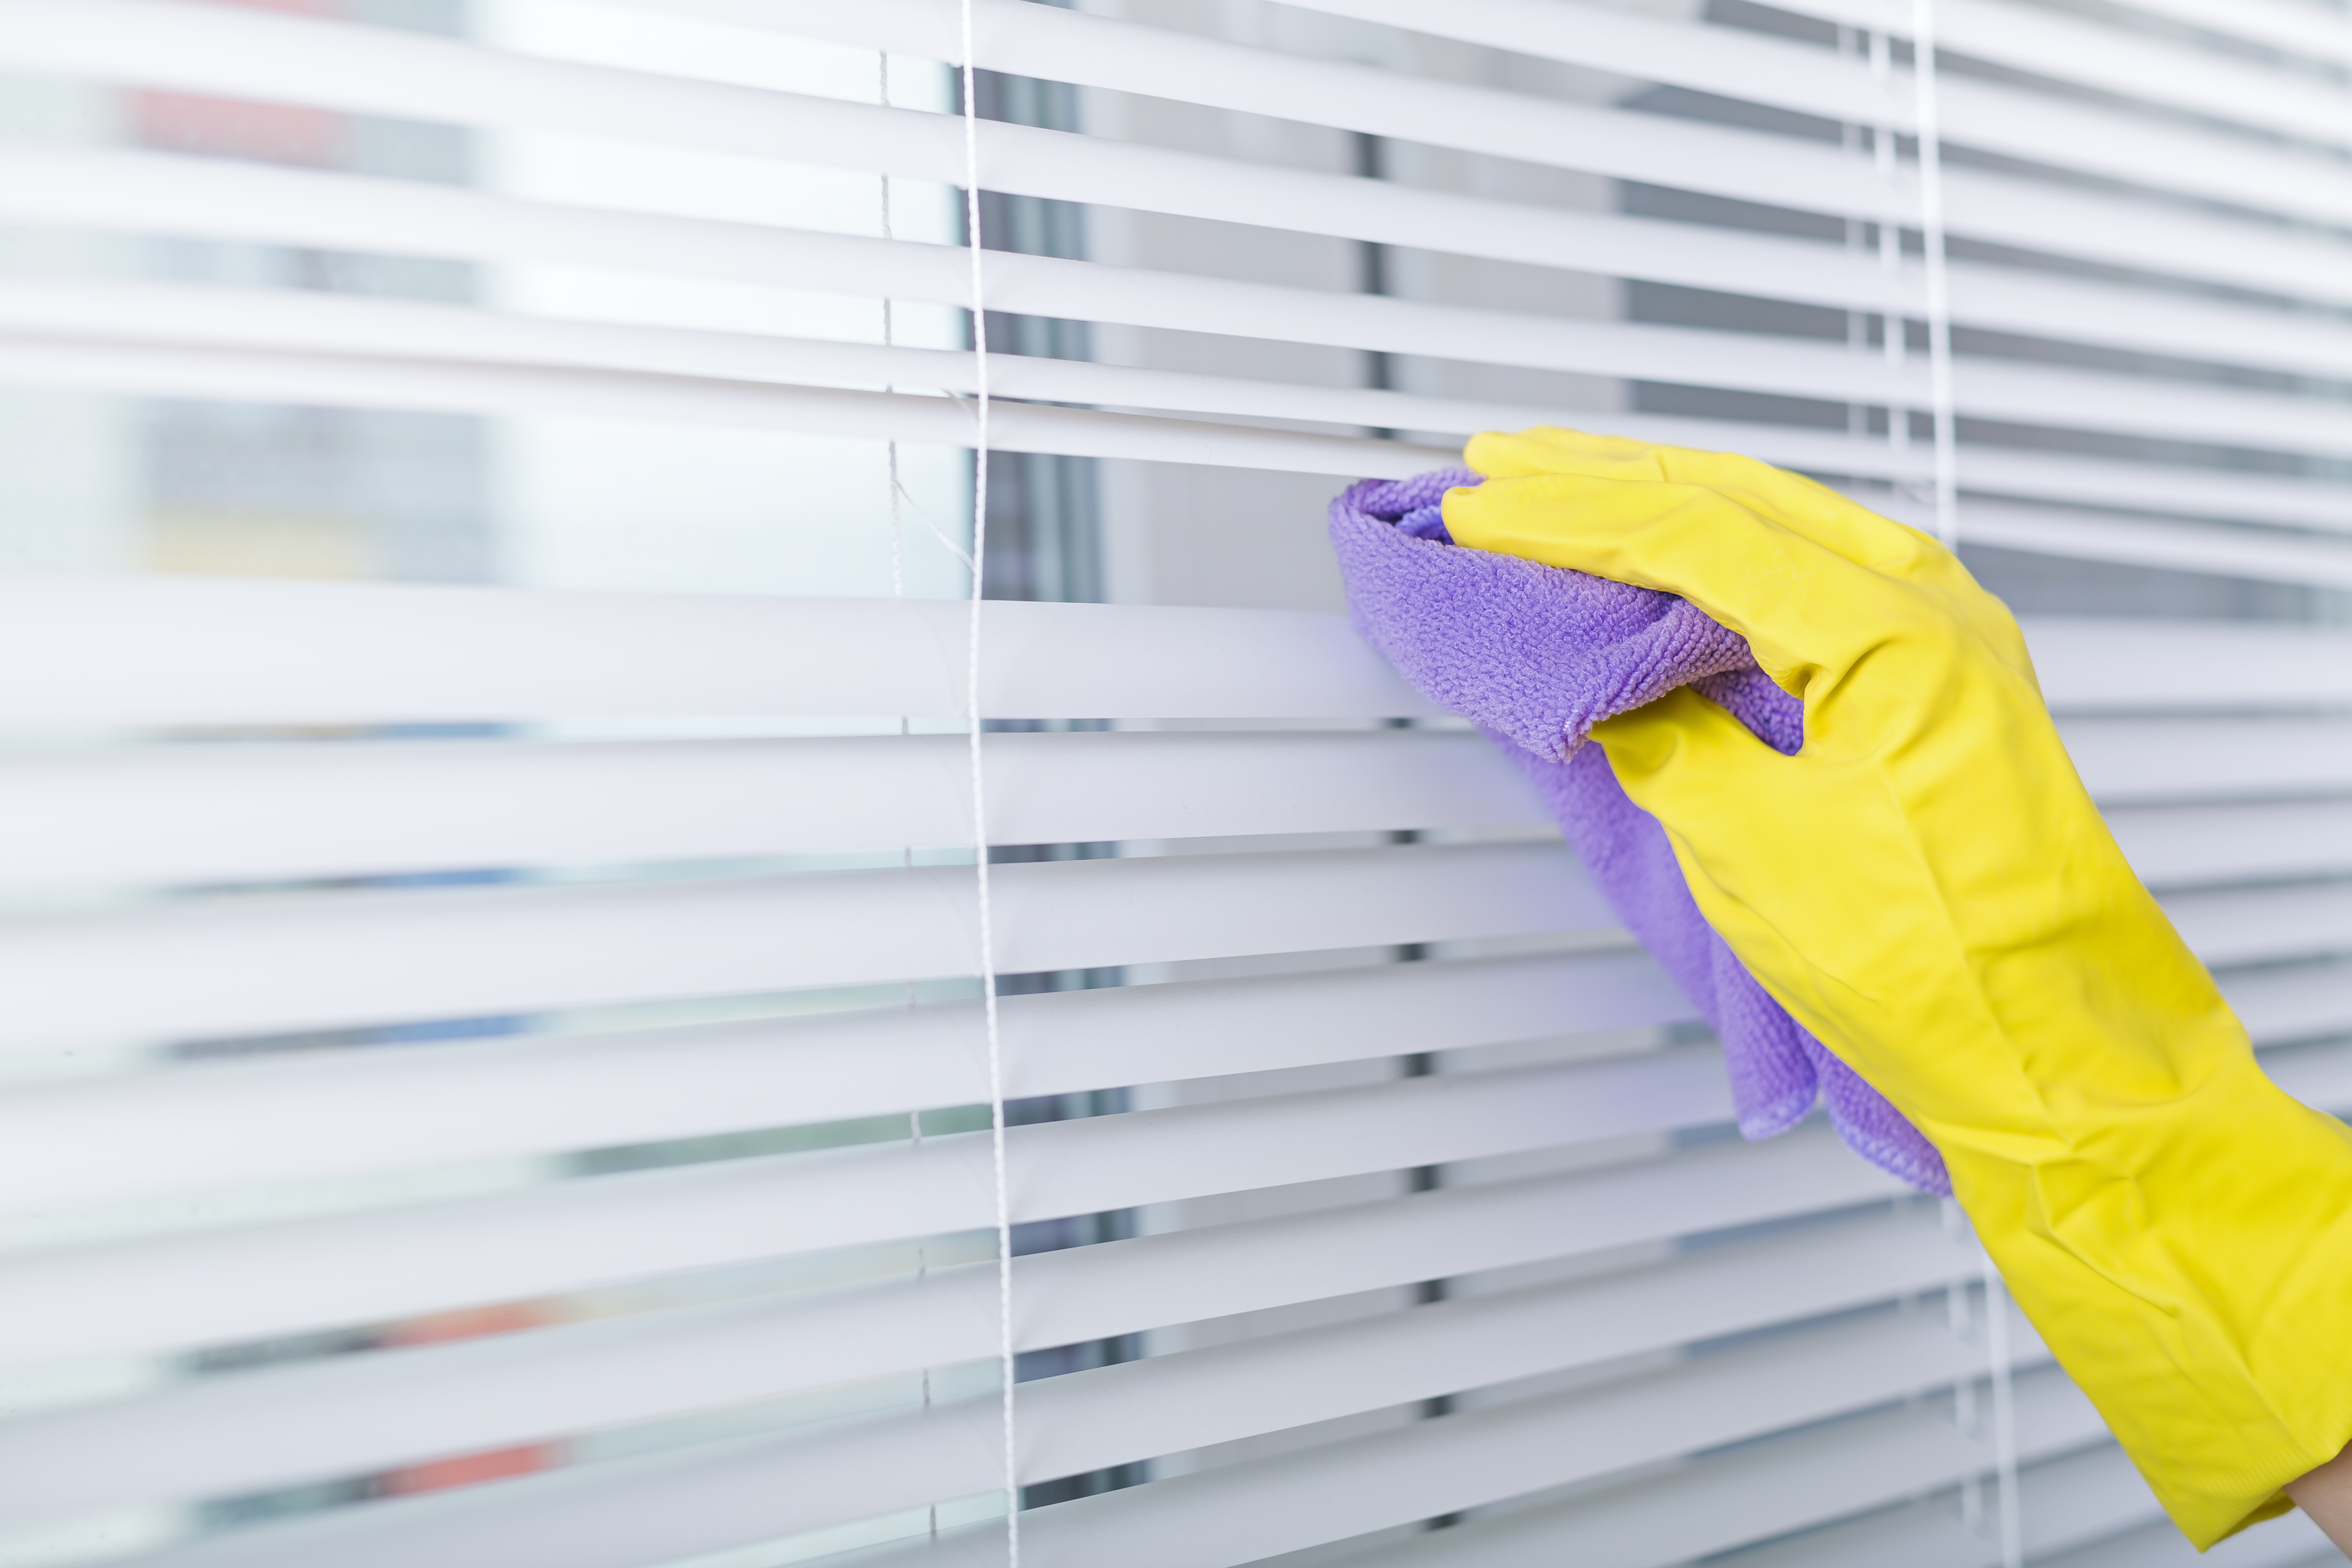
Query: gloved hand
(1536, 656)
(1927, 887)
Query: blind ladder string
(1893, 327)
(2004, 1411)
(889, 338)
(979, 800)
(899, 590)
(1940, 293)
(1948, 528)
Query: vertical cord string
(1939, 304)
(1960, 1318)
(1893, 327)
(2004, 1412)
(1948, 528)
(889, 338)
(979, 800)
(899, 590)
(1857, 322)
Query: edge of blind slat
(265, 1431)
(185, 652)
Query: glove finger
(1555, 449)
(1805, 608)
(1796, 503)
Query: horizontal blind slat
(640, 1511)
(2134, 65)
(255, 1280)
(352, 1415)
(2044, 394)
(2129, 760)
(1991, 389)
(1134, 1410)
(2183, 845)
(190, 652)
(1728, 63)
(157, 314)
(1726, 1500)
(428, 387)
(2292, 1541)
(2264, 924)
(1030, 427)
(2131, 232)
(711, 1503)
(2144, 150)
(1931, 1532)
(1971, 111)
(2281, 23)
(144, 190)
(257, 964)
(1731, 63)
(1099, 1163)
(1995, 471)
(868, 133)
(2117, 664)
(228, 1122)
(1100, 293)
(343, 66)
(1238, 1512)
(366, 1268)
(2296, 1001)
(1723, 61)
(129, 315)
(147, 192)
(340, 65)
(255, 811)
(1160, 62)
(266, 1430)
(2167, 322)
(252, 964)
(376, 211)
(159, 652)
(2066, 1505)
(1102, 1163)
(468, 349)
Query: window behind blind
(497, 1048)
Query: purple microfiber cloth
(1536, 656)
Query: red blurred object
(494, 1464)
(467, 1323)
(471, 1469)
(238, 127)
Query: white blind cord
(1893, 327)
(889, 337)
(1948, 528)
(2004, 1413)
(979, 800)
(1939, 307)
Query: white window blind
(528, 1070)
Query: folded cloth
(1536, 656)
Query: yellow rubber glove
(1927, 887)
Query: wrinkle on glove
(1536, 656)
